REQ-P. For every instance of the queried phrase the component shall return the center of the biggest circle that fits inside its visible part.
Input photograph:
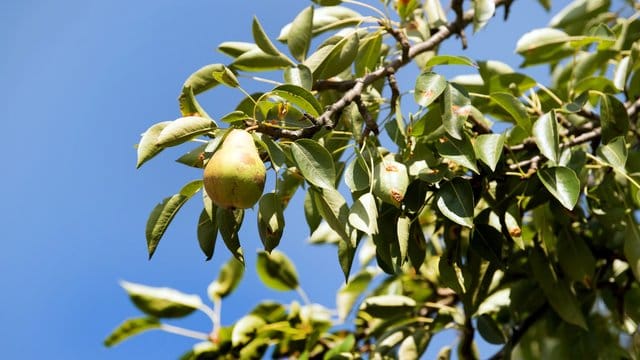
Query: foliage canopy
(488, 203)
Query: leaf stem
(211, 314)
(184, 332)
(550, 93)
(372, 8)
(303, 295)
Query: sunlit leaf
(545, 132)
(351, 291)
(315, 163)
(614, 153)
(246, 329)
(299, 75)
(488, 148)
(325, 19)
(257, 60)
(262, 39)
(562, 183)
(129, 328)
(364, 214)
(161, 302)
(456, 107)
(148, 146)
(228, 280)
(450, 60)
(483, 12)
(514, 107)
(333, 208)
(236, 48)
(184, 129)
(428, 87)
(339, 57)
(455, 201)
(299, 35)
(300, 97)
(460, 151)
(383, 306)
(368, 54)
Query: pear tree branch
(354, 88)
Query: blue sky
(81, 81)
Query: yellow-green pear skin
(235, 175)
(390, 182)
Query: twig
(358, 85)
(371, 125)
(401, 38)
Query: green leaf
(270, 220)
(276, 271)
(327, 63)
(315, 163)
(351, 291)
(299, 75)
(194, 158)
(632, 245)
(450, 275)
(614, 153)
(162, 215)
(300, 97)
(257, 60)
(368, 54)
(262, 39)
(129, 328)
(545, 133)
(229, 222)
(459, 151)
(236, 117)
(575, 257)
(488, 148)
(345, 346)
(578, 11)
(184, 129)
(543, 45)
(622, 71)
(613, 117)
(429, 86)
(346, 253)
(483, 12)
(595, 83)
(148, 146)
(327, 2)
(562, 183)
(228, 279)
(189, 106)
(456, 108)
(246, 329)
(207, 234)
(384, 306)
(403, 228)
(333, 208)
(514, 83)
(559, 295)
(490, 331)
(455, 201)
(161, 302)
(449, 60)
(236, 48)
(225, 76)
(325, 19)
(203, 80)
(299, 36)
(356, 174)
(514, 107)
(364, 214)
(487, 242)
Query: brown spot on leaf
(396, 195)
(515, 232)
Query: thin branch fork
(325, 120)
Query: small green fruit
(235, 175)
(390, 181)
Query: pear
(390, 181)
(235, 175)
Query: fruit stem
(303, 295)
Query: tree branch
(519, 332)
(354, 88)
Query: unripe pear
(235, 175)
(390, 181)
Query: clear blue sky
(81, 80)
